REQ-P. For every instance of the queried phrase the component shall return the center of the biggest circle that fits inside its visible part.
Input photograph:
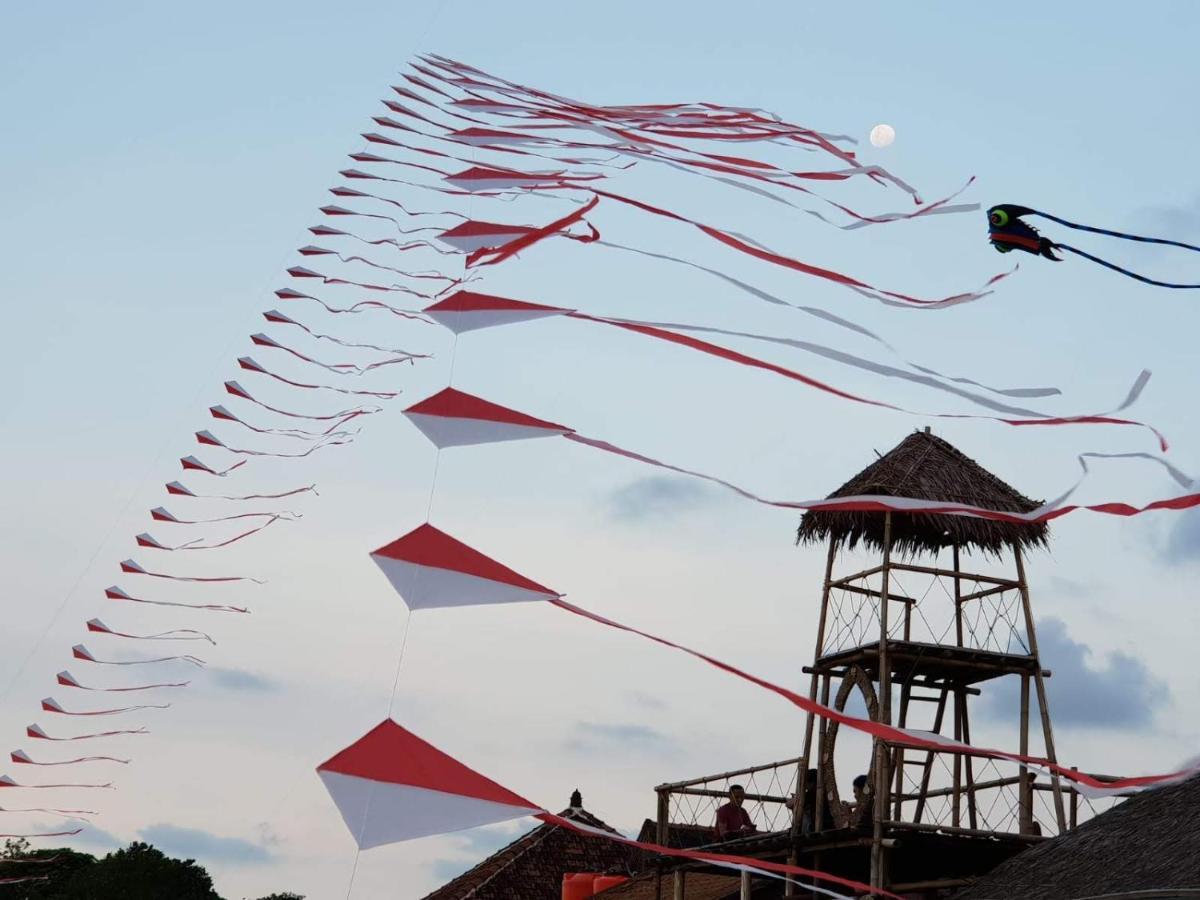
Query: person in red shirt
(732, 820)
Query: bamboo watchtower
(938, 623)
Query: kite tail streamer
(654, 331)
(42, 834)
(1117, 234)
(893, 734)
(1126, 272)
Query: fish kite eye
(998, 217)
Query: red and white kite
(66, 679)
(50, 705)
(7, 781)
(176, 634)
(391, 786)
(79, 651)
(451, 418)
(132, 567)
(36, 731)
(20, 756)
(192, 464)
(116, 593)
(177, 489)
(428, 568)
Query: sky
(160, 165)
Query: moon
(882, 135)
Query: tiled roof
(532, 866)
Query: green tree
(285, 895)
(138, 872)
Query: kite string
(407, 628)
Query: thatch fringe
(925, 467)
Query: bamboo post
(956, 807)
(882, 776)
(1026, 802)
(678, 892)
(745, 892)
(898, 760)
(1040, 684)
(661, 837)
(968, 763)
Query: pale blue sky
(161, 162)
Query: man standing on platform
(732, 820)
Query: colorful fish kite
(1008, 231)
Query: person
(860, 811)
(732, 820)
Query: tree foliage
(136, 872)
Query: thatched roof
(1148, 843)
(926, 467)
(532, 866)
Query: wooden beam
(869, 592)
(987, 592)
(953, 573)
(676, 786)
(857, 576)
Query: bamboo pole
(802, 764)
(882, 776)
(1026, 804)
(1040, 684)
(956, 806)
